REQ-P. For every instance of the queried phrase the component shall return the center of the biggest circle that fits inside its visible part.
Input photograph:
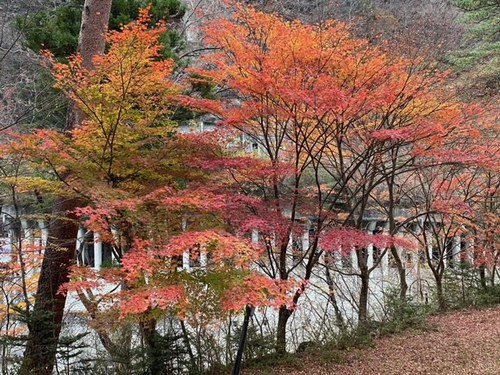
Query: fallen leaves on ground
(461, 342)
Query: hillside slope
(463, 342)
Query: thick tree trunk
(91, 42)
(45, 321)
(283, 315)
(155, 362)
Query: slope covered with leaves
(461, 342)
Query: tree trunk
(283, 315)
(154, 355)
(364, 274)
(91, 42)
(187, 344)
(44, 324)
(363, 298)
(482, 276)
(403, 285)
(440, 293)
(331, 295)
(119, 350)
(493, 273)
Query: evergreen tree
(482, 54)
(57, 29)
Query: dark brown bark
(187, 344)
(440, 293)
(437, 271)
(45, 320)
(494, 270)
(482, 276)
(283, 315)
(44, 323)
(363, 298)
(284, 312)
(153, 349)
(364, 274)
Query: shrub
(404, 314)
(488, 296)
(463, 288)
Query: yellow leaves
(18, 281)
(128, 83)
(26, 184)
(128, 98)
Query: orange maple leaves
(140, 183)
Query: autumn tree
(318, 128)
(21, 255)
(460, 218)
(143, 189)
(307, 98)
(441, 229)
(335, 119)
(47, 314)
(271, 70)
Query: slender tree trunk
(283, 315)
(244, 332)
(403, 285)
(492, 276)
(331, 296)
(440, 293)
(363, 298)
(119, 350)
(187, 344)
(482, 276)
(364, 274)
(45, 321)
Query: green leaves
(482, 51)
